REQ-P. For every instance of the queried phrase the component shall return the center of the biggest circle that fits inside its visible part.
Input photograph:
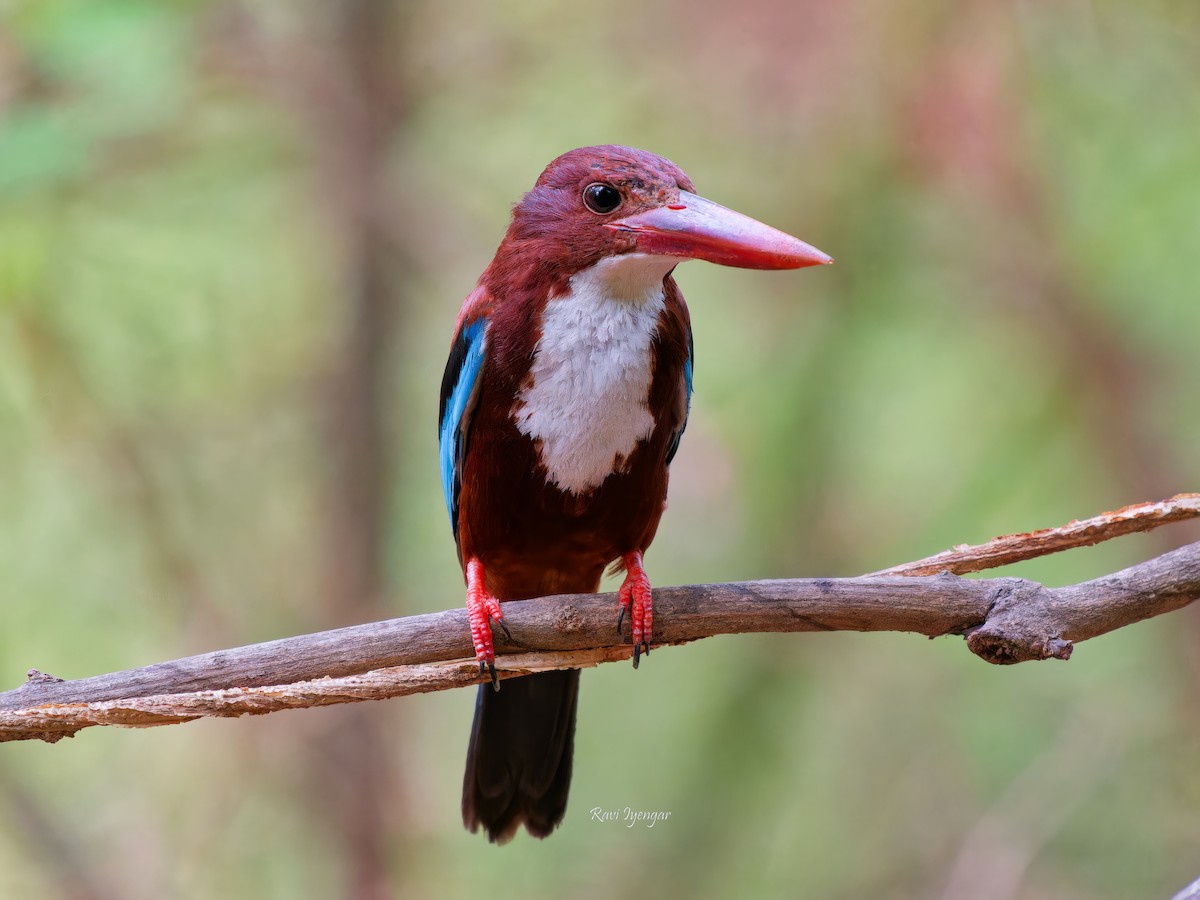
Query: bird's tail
(519, 758)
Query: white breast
(587, 400)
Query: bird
(564, 398)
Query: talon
(635, 596)
(482, 610)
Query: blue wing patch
(687, 380)
(460, 390)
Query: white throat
(587, 398)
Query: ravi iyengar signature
(629, 816)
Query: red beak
(696, 228)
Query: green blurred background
(234, 236)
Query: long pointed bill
(696, 228)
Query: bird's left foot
(483, 609)
(635, 599)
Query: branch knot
(1019, 626)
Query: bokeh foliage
(1009, 340)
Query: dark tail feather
(519, 758)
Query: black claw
(620, 619)
(495, 678)
(482, 668)
(504, 628)
(640, 648)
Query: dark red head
(597, 202)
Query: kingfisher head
(637, 214)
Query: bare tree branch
(1191, 892)
(1013, 548)
(1004, 620)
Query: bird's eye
(601, 198)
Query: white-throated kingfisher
(562, 405)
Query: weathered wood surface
(1005, 620)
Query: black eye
(601, 198)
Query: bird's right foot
(635, 598)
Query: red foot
(635, 592)
(482, 606)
